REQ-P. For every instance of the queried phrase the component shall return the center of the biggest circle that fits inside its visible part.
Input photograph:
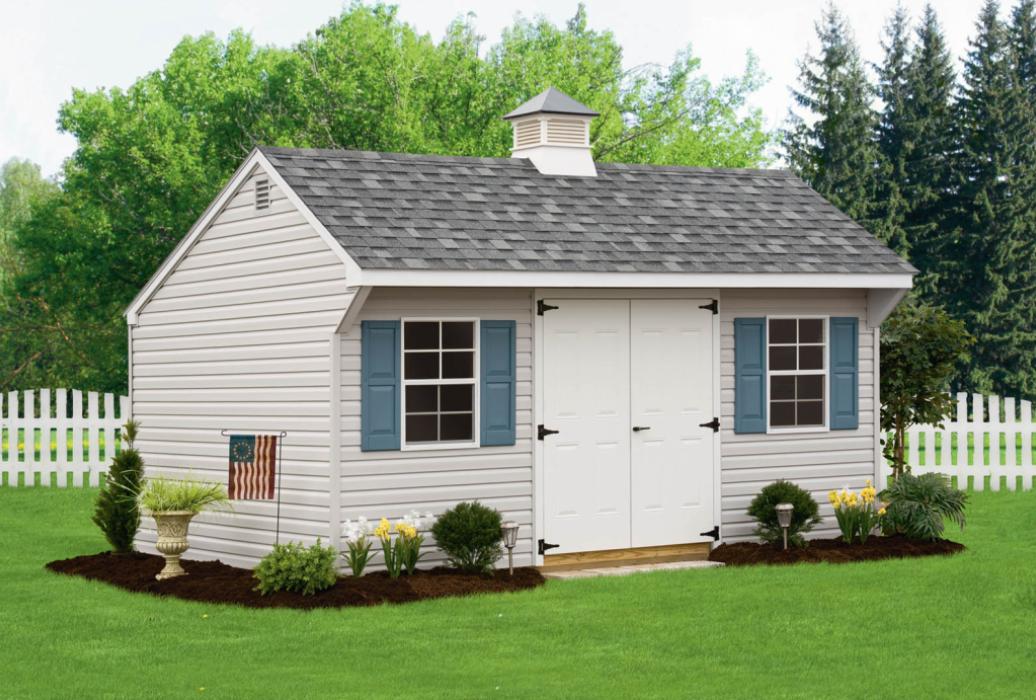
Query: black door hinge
(714, 424)
(542, 306)
(713, 533)
(543, 546)
(712, 306)
(542, 432)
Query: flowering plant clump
(857, 513)
(357, 539)
(409, 534)
(391, 549)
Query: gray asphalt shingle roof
(418, 212)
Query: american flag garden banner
(253, 467)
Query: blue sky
(49, 47)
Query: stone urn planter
(172, 540)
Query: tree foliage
(151, 156)
(920, 349)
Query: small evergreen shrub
(116, 511)
(292, 567)
(803, 518)
(470, 535)
(917, 506)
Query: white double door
(627, 385)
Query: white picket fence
(43, 441)
(988, 440)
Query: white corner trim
(881, 302)
(352, 313)
(654, 280)
(255, 158)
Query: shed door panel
(671, 396)
(587, 400)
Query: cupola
(553, 131)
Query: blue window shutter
(379, 396)
(845, 373)
(749, 375)
(497, 382)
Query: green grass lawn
(962, 626)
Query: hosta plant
(293, 567)
(919, 505)
(358, 544)
(857, 513)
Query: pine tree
(928, 128)
(116, 511)
(991, 288)
(836, 154)
(891, 206)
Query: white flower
(354, 532)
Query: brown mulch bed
(216, 582)
(834, 550)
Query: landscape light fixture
(784, 511)
(510, 529)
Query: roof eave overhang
(648, 280)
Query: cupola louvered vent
(567, 132)
(527, 133)
(262, 194)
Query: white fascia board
(880, 303)
(255, 158)
(653, 280)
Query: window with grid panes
(797, 355)
(439, 365)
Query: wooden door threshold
(696, 551)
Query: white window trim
(474, 381)
(825, 372)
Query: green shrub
(804, 517)
(917, 506)
(470, 535)
(116, 511)
(292, 567)
(164, 495)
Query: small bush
(917, 506)
(470, 535)
(803, 518)
(292, 567)
(116, 511)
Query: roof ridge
(504, 161)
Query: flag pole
(280, 471)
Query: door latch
(641, 428)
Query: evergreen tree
(928, 128)
(891, 207)
(116, 511)
(988, 282)
(836, 154)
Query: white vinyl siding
(238, 337)
(391, 483)
(816, 461)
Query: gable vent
(527, 133)
(567, 132)
(262, 194)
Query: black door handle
(638, 428)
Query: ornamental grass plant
(162, 495)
